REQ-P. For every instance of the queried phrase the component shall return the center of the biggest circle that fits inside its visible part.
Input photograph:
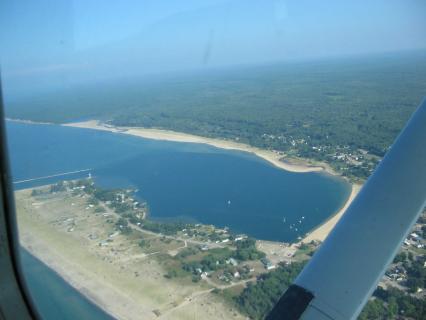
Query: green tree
(392, 308)
(400, 257)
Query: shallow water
(185, 181)
(55, 298)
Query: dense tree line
(416, 275)
(216, 259)
(122, 225)
(258, 299)
(246, 250)
(393, 303)
(355, 102)
(58, 187)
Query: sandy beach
(319, 233)
(120, 297)
(273, 157)
(118, 277)
(322, 231)
(167, 135)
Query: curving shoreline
(274, 158)
(89, 282)
(318, 234)
(321, 232)
(168, 135)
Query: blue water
(193, 182)
(186, 181)
(55, 298)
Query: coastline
(168, 135)
(318, 234)
(123, 285)
(28, 121)
(321, 232)
(80, 278)
(274, 158)
(87, 282)
(56, 264)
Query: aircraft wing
(344, 272)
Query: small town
(215, 260)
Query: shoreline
(319, 233)
(62, 266)
(28, 121)
(272, 157)
(119, 283)
(58, 268)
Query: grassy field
(110, 268)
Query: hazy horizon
(55, 44)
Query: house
(267, 264)
(232, 261)
(414, 235)
(240, 237)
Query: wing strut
(347, 267)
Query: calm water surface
(191, 182)
(186, 181)
(55, 298)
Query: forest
(256, 300)
(343, 111)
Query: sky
(55, 43)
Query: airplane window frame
(15, 300)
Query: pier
(52, 176)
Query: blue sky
(45, 43)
